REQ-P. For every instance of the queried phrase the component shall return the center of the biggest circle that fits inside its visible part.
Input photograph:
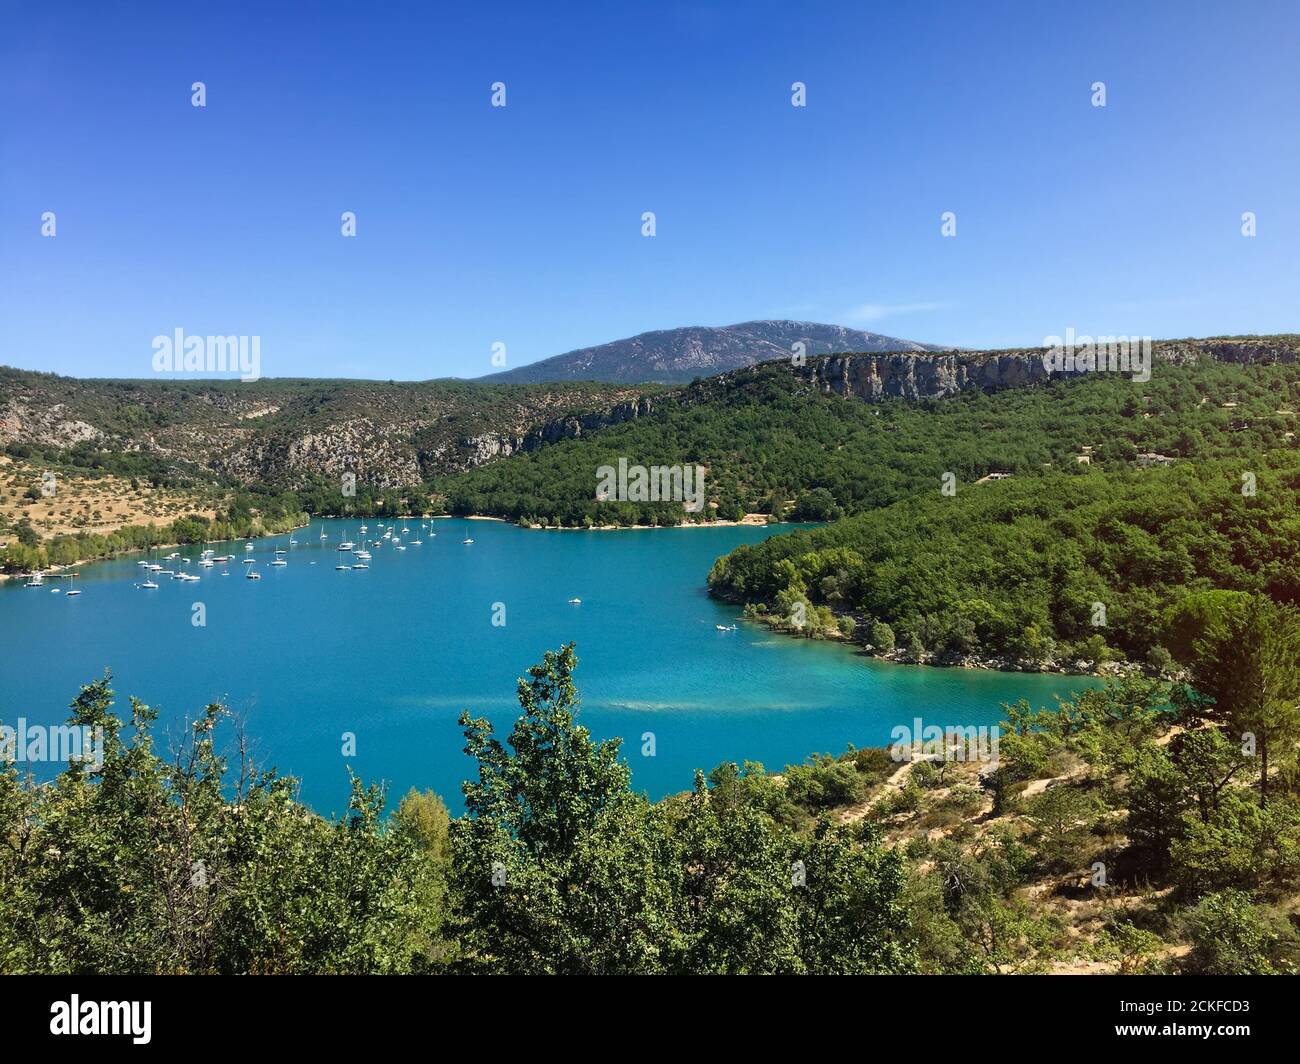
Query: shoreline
(748, 521)
(983, 663)
(54, 569)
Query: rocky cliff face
(476, 450)
(936, 376)
(876, 377)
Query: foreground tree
(140, 864)
(1243, 654)
(560, 867)
(555, 862)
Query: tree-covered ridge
(1017, 568)
(279, 432)
(1129, 828)
(767, 438)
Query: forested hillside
(773, 444)
(281, 433)
(1039, 572)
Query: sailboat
(279, 560)
(347, 544)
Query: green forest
(773, 445)
(1039, 570)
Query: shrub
(1231, 936)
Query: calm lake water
(394, 653)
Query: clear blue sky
(522, 225)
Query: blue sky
(523, 224)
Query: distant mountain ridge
(676, 356)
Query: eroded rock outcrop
(937, 376)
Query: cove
(308, 655)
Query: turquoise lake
(393, 654)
